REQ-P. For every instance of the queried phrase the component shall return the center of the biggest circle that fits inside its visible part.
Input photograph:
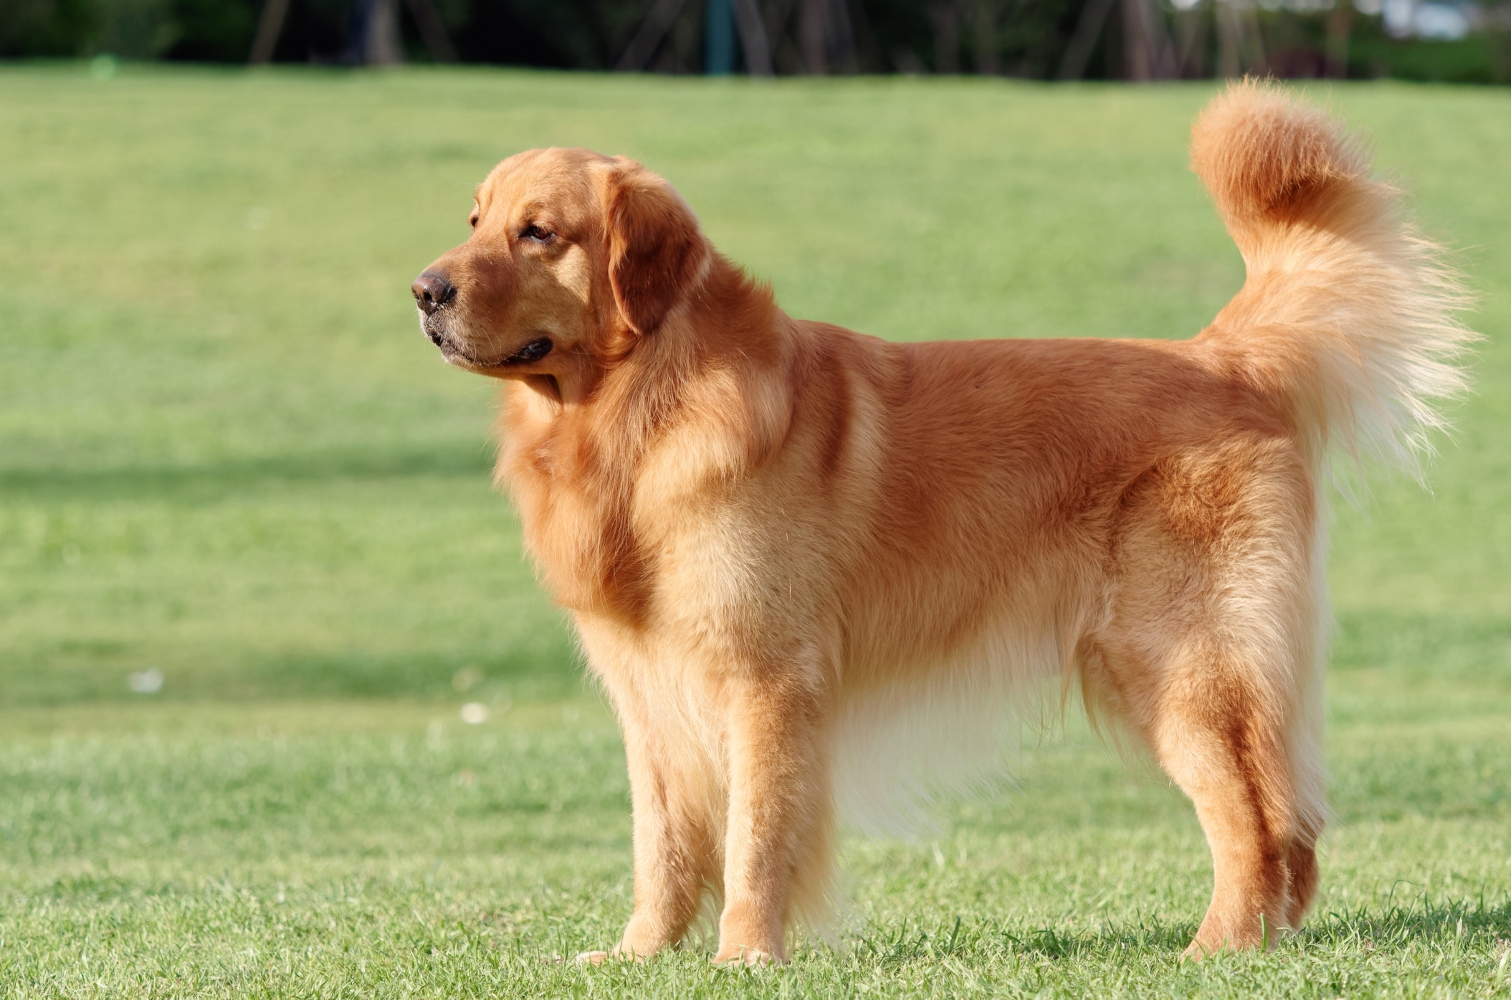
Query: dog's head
(573, 257)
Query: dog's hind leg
(1256, 782)
(1303, 873)
(1210, 655)
(1222, 737)
(1223, 745)
(1310, 781)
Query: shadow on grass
(1467, 922)
(1478, 920)
(219, 478)
(910, 942)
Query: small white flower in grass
(474, 713)
(146, 681)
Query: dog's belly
(906, 733)
(913, 732)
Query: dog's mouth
(532, 351)
(457, 354)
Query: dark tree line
(1042, 39)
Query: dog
(800, 559)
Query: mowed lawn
(228, 456)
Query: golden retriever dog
(805, 563)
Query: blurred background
(1439, 40)
(283, 710)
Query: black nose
(432, 291)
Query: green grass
(226, 454)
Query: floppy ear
(655, 247)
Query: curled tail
(1347, 310)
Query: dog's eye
(536, 233)
(472, 219)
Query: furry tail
(1347, 311)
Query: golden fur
(790, 549)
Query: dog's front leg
(777, 839)
(674, 842)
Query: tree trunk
(374, 37)
(1088, 29)
(1229, 34)
(269, 27)
(649, 36)
(433, 31)
(1147, 50)
(946, 21)
(753, 39)
(1339, 26)
(985, 32)
(810, 29)
(1136, 56)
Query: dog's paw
(591, 957)
(1195, 952)
(739, 955)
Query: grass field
(227, 455)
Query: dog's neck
(726, 323)
(575, 450)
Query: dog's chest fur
(655, 526)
